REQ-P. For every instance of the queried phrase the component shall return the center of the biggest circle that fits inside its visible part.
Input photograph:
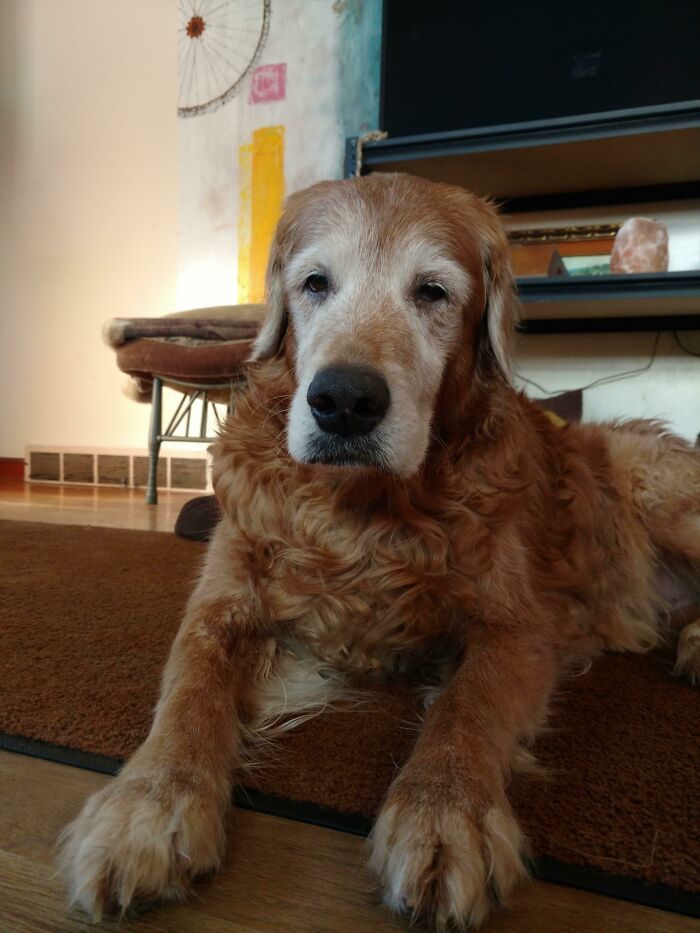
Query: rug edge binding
(581, 877)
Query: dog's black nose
(348, 400)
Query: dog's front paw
(140, 838)
(442, 861)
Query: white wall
(88, 224)
(669, 389)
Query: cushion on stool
(203, 346)
(209, 362)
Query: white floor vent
(126, 468)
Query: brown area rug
(86, 619)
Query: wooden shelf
(649, 153)
(588, 304)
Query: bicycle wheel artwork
(219, 42)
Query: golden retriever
(391, 500)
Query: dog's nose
(348, 400)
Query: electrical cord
(604, 380)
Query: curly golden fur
(473, 542)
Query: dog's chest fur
(363, 589)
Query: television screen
(460, 64)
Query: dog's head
(392, 298)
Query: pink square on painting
(269, 82)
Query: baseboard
(183, 470)
(12, 469)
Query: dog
(393, 506)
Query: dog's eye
(316, 283)
(430, 292)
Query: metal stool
(192, 393)
(199, 353)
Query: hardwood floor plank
(86, 505)
(32, 900)
(278, 876)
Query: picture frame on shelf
(555, 251)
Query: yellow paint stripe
(245, 173)
(267, 194)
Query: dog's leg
(681, 538)
(688, 652)
(160, 823)
(446, 838)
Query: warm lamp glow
(205, 284)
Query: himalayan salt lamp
(641, 245)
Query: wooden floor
(279, 875)
(88, 505)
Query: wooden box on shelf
(536, 259)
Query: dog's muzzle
(348, 400)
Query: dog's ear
(272, 334)
(270, 339)
(501, 306)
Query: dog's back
(650, 540)
(662, 474)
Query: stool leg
(154, 442)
